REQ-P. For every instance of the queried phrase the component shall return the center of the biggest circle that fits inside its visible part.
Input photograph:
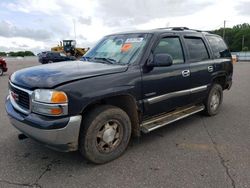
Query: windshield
(117, 49)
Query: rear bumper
(61, 139)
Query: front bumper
(62, 139)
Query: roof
(167, 29)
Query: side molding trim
(175, 94)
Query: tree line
(237, 38)
(17, 54)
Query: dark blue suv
(128, 83)
(51, 57)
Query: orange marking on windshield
(126, 47)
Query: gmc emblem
(14, 96)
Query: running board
(160, 121)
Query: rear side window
(171, 46)
(56, 55)
(218, 47)
(197, 49)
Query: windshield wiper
(108, 60)
(85, 58)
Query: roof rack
(180, 29)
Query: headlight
(49, 102)
(50, 96)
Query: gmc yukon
(127, 84)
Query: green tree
(245, 49)
(21, 54)
(236, 36)
(3, 54)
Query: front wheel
(105, 134)
(213, 100)
(1, 71)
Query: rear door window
(218, 46)
(196, 48)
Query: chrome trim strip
(25, 90)
(198, 89)
(175, 94)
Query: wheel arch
(221, 80)
(124, 101)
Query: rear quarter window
(218, 47)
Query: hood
(51, 75)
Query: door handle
(210, 68)
(185, 73)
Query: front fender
(81, 93)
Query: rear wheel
(1, 71)
(105, 134)
(214, 100)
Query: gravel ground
(195, 152)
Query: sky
(38, 25)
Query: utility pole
(74, 28)
(243, 42)
(224, 29)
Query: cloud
(85, 21)
(128, 12)
(30, 6)
(42, 24)
(22, 44)
(243, 8)
(9, 30)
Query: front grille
(23, 98)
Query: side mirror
(161, 60)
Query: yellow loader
(68, 47)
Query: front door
(166, 88)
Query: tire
(105, 134)
(1, 71)
(213, 100)
(50, 61)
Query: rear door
(201, 66)
(222, 57)
(166, 88)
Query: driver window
(171, 46)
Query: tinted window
(197, 49)
(171, 46)
(218, 46)
(56, 55)
(49, 54)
